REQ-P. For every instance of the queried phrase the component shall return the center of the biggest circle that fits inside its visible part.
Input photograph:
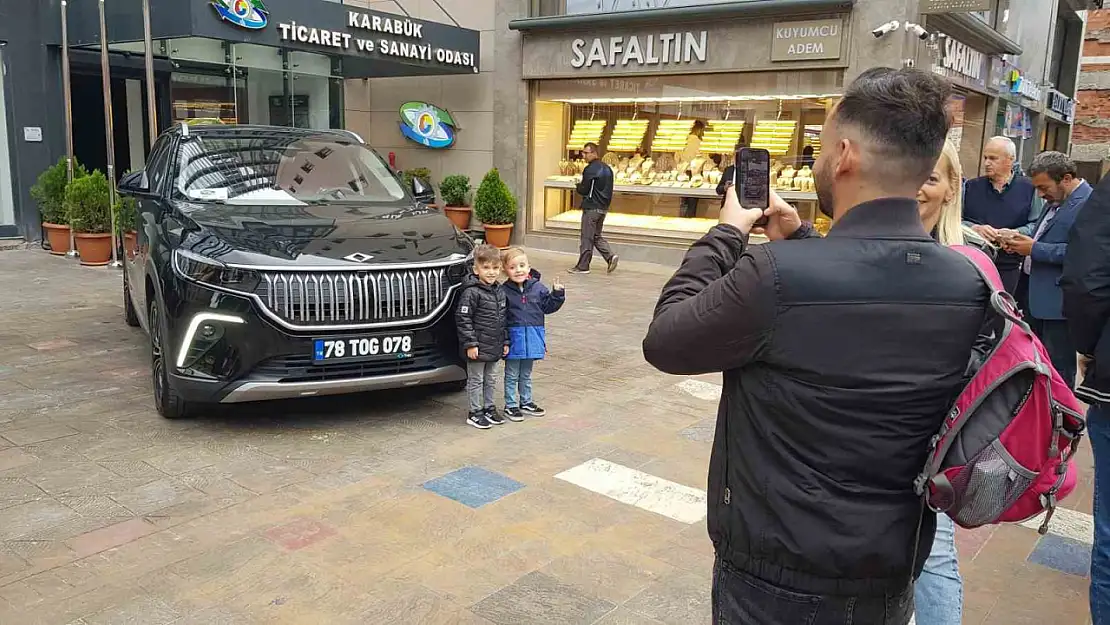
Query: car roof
(254, 130)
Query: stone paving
(383, 508)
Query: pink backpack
(1004, 452)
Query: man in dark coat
(1086, 289)
(596, 189)
(841, 356)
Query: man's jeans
(939, 592)
(518, 379)
(1098, 428)
(742, 599)
(481, 379)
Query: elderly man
(1056, 180)
(1001, 200)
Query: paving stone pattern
(381, 508)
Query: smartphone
(752, 178)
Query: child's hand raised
(557, 284)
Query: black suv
(280, 262)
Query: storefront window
(969, 115)
(669, 141)
(542, 8)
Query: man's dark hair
(486, 254)
(903, 114)
(590, 146)
(1055, 164)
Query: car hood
(321, 235)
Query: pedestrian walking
(938, 593)
(483, 335)
(529, 301)
(596, 189)
(1002, 199)
(1086, 291)
(841, 356)
(1057, 181)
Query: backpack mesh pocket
(987, 486)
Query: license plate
(380, 347)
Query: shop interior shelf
(586, 131)
(628, 135)
(711, 192)
(671, 135)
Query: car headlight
(197, 268)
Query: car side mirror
(135, 182)
(422, 191)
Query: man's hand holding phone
(782, 218)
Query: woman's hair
(508, 255)
(950, 228)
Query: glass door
(7, 203)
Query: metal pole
(152, 108)
(68, 97)
(109, 134)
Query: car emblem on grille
(358, 257)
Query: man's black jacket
(481, 319)
(596, 187)
(1086, 286)
(841, 356)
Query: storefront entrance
(7, 203)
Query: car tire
(166, 400)
(129, 315)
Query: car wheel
(129, 315)
(166, 400)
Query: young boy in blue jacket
(529, 300)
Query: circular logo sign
(427, 125)
(251, 14)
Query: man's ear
(848, 158)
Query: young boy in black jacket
(483, 334)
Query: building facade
(668, 91)
(1091, 135)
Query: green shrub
(423, 173)
(127, 214)
(494, 204)
(455, 189)
(87, 204)
(49, 191)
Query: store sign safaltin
(249, 14)
(428, 125)
(808, 40)
(954, 6)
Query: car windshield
(282, 168)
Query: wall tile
(388, 94)
(469, 92)
(477, 130)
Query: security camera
(917, 30)
(889, 27)
(908, 63)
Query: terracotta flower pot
(131, 243)
(58, 237)
(95, 249)
(459, 215)
(498, 235)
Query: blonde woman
(938, 594)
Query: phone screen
(753, 177)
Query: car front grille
(300, 368)
(328, 298)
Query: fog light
(207, 331)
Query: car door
(149, 208)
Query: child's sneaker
(479, 420)
(492, 416)
(532, 409)
(514, 415)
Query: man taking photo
(841, 356)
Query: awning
(974, 32)
(370, 43)
(701, 12)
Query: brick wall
(1091, 133)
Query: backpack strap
(1001, 301)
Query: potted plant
(456, 191)
(91, 218)
(49, 191)
(495, 207)
(127, 221)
